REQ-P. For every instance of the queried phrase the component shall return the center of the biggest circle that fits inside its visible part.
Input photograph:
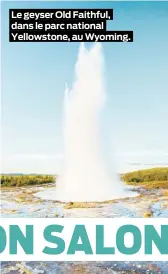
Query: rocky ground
(24, 202)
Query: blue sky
(136, 116)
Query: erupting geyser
(85, 177)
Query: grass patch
(156, 185)
(25, 180)
(148, 178)
(147, 175)
(151, 185)
(154, 178)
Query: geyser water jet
(85, 176)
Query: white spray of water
(85, 177)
